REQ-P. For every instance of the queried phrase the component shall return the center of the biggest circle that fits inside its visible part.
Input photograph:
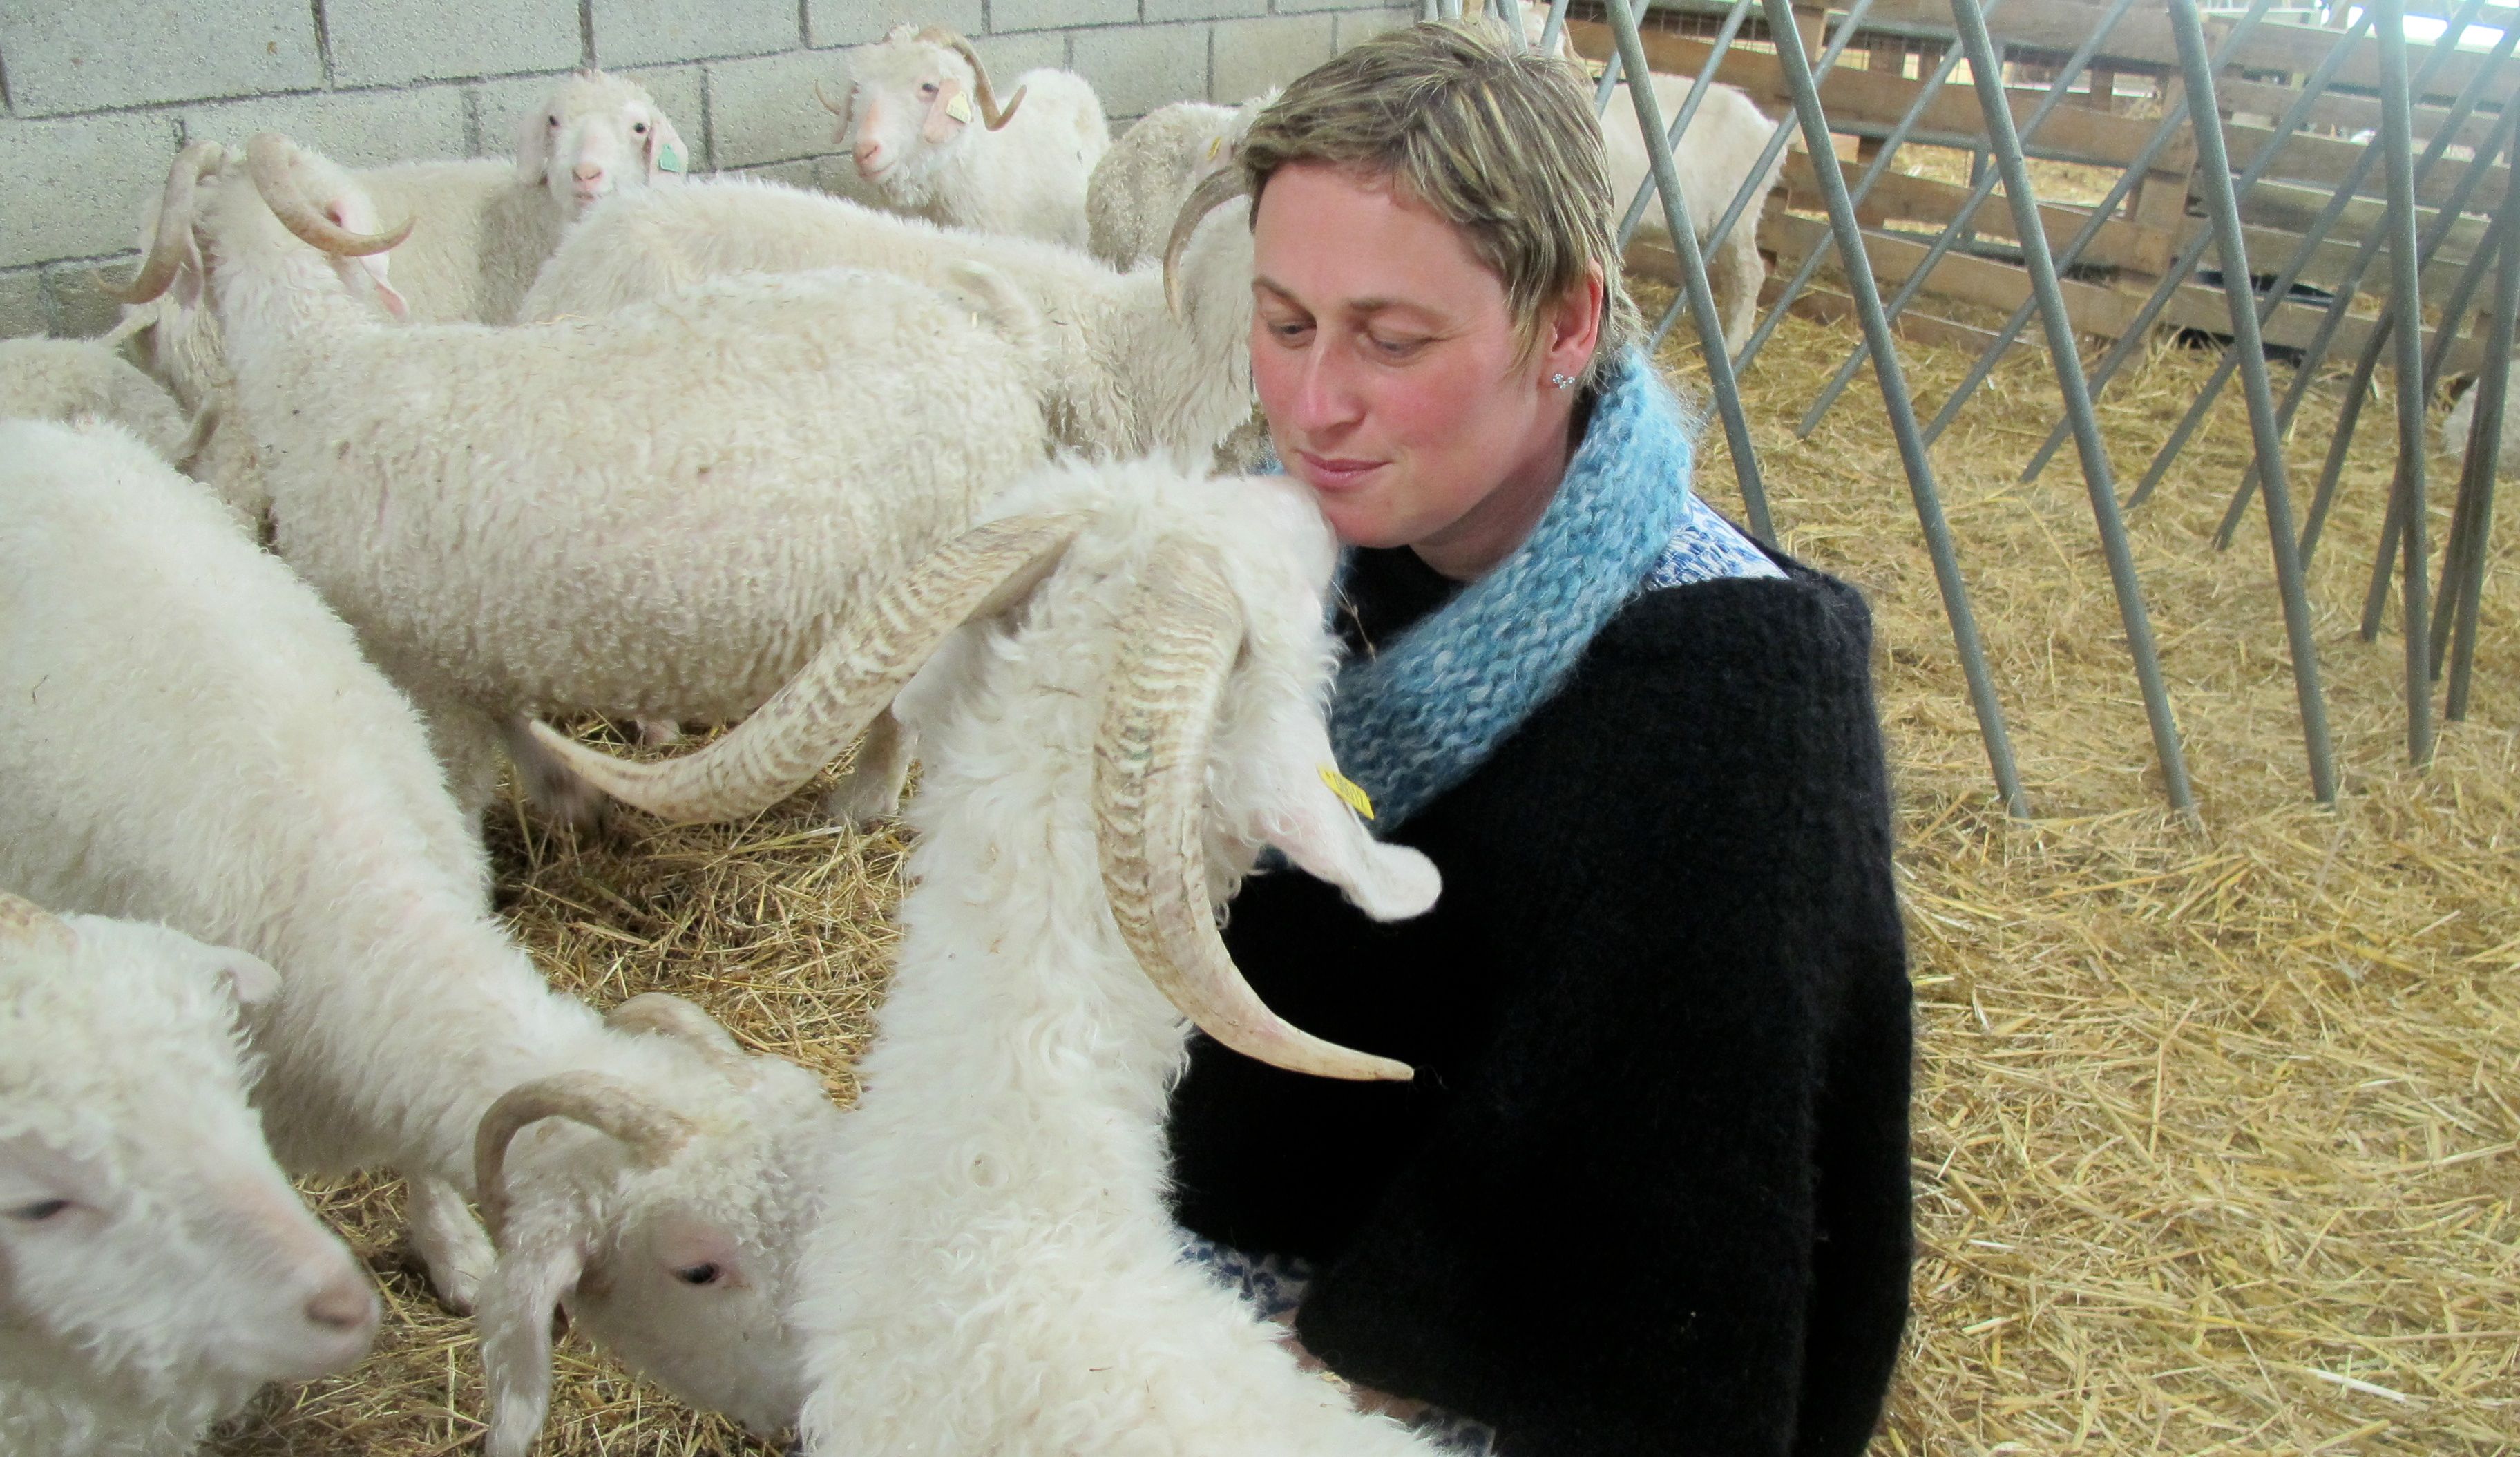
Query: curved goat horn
(806, 723)
(27, 927)
(663, 1012)
(1214, 191)
(991, 116)
(840, 111)
(173, 242)
(1150, 806)
(266, 155)
(607, 1105)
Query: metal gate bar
(2172, 119)
(1982, 186)
(1795, 63)
(1750, 190)
(2190, 258)
(1693, 290)
(2472, 523)
(1872, 173)
(2398, 153)
(2214, 167)
(1986, 72)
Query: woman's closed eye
(1394, 348)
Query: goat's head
(1212, 742)
(911, 95)
(143, 1224)
(596, 134)
(660, 1214)
(273, 220)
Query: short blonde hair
(1501, 142)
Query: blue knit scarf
(1415, 719)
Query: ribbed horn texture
(27, 927)
(854, 677)
(266, 155)
(1213, 192)
(174, 238)
(990, 114)
(606, 1103)
(1182, 633)
(663, 1012)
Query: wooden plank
(2092, 309)
(2350, 113)
(1861, 102)
(2328, 161)
(2292, 208)
(2144, 35)
(2118, 244)
(1913, 324)
(2272, 248)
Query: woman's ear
(1573, 330)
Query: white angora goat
(1106, 755)
(155, 1268)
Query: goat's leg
(1735, 274)
(551, 783)
(450, 1243)
(873, 789)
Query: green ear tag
(669, 159)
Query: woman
(1648, 1193)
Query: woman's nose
(1326, 393)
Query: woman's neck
(1489, 532)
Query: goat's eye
(40, 1211)
(699, 1274)
(553, 120)
(928, 89)
(640, 128)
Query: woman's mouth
(1328, 473)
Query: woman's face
(1395, 383)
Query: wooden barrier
(1871, 90)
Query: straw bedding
(2215, 1125)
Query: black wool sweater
(1649, 1191)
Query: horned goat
(740, 464)
(1138, 186)
(71, 379)
(907, 120)
(1107, 753)
(188, 735)
(481, 230)
(1122, 373)
(160, 1269)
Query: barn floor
(2218, 1129)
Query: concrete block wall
(98, 95)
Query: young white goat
(907, 120)
(188, 735)
(71, 379)
(996, 1270)
(1713, 158)
(480, 231)
(654, 514)
(1121, 374)
(155, 1268)
(2461, 424)
(1138, 186)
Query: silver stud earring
(1561, 381)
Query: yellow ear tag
(1346, 789)
(959, 106)
(1214, 144)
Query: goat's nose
(588, 172)
(344, 1305)
(866, 151)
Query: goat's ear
(518, 1306)
(667, 154)
(948, 113)
(1315, 814)
(251, 980)
(533, 146)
